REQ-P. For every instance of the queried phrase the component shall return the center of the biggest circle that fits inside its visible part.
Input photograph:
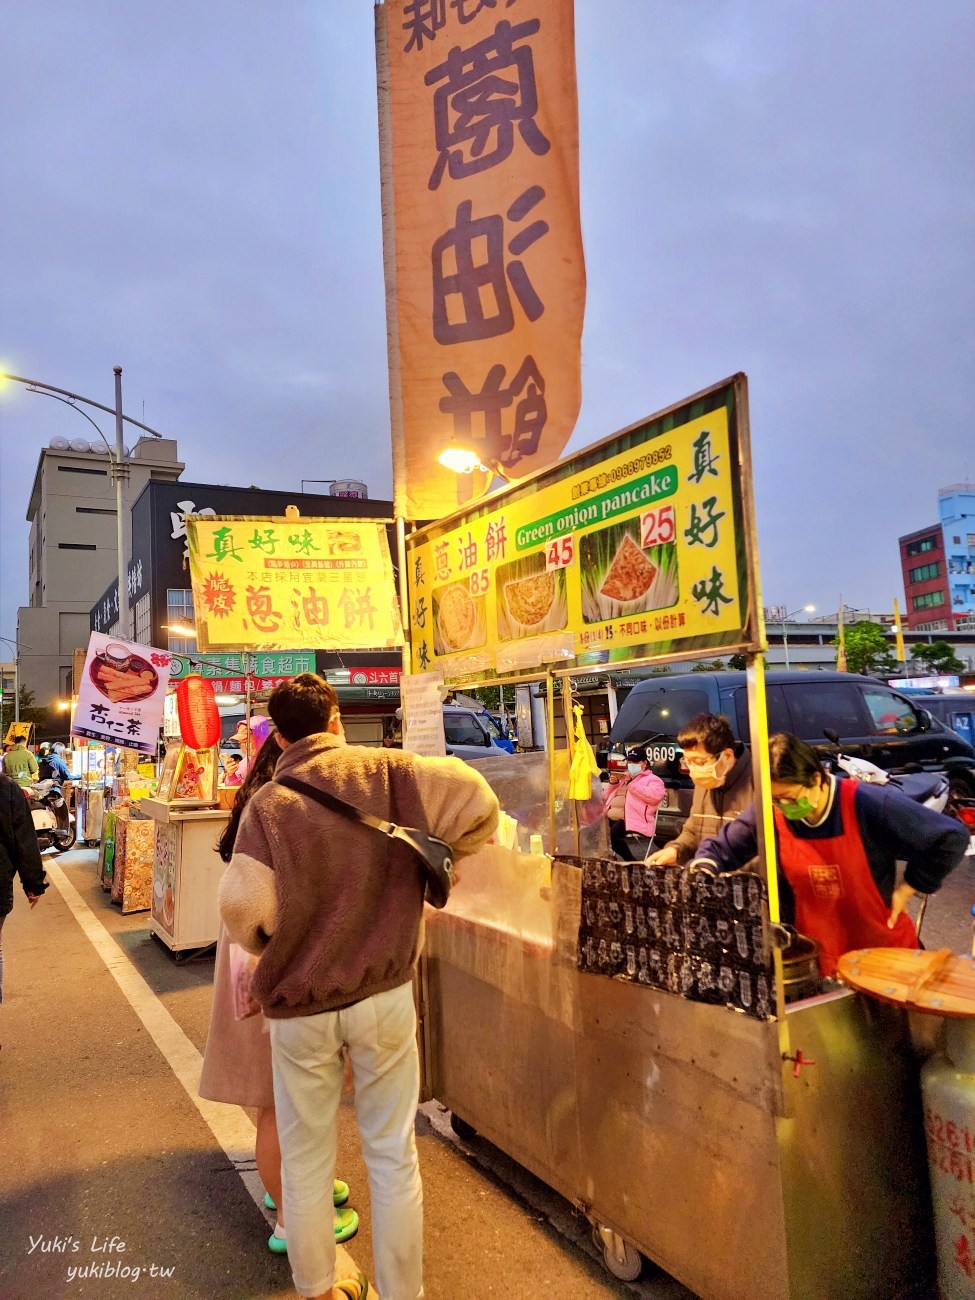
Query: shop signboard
(261, 584)
(122, 694)
(265, 667)
(635, 549)
(24, 729)
(489, 285)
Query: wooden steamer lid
(941, 982)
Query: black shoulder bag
(436, 855)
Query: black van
(872, 721)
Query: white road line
(230, 1125)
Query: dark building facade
(159, 595)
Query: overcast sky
(191, 191)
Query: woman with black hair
(838, 844)
(237, 1058)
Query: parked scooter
(54, 825)
(933, 789)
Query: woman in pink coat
(631, 802)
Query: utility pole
(120, 468)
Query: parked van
(955, 709)
(872, 720)
(467, 734)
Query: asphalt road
(109, 1164)
(101, 1140)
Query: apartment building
(73, 549)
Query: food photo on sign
(122, 693)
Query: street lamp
(806, 609)
(69, 398)
(463, 459)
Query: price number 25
(657, 527)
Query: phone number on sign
(650, 460)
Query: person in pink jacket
(631, 802)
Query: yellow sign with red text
(270, 584)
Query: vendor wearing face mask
(721, 769)
(839, 843)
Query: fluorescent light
(178, 629)
(227, 699)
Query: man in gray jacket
(335, 911)
(721, 770)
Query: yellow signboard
(271, 584)
(632, 549)
(24, 729)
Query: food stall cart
(185, 876)
(634, 1046)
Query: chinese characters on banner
(490, 278)
(122, 693)
(631, 549)
(269, 584)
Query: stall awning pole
(550, 722)
(392, 319)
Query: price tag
(479, 582)
(560, 553)
(657, 527)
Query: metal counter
(676, 1124)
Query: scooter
(54, 825)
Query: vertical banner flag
(489, 271)
(899, 633)
(840, 642)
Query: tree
(715, 666)
(738, 662)
(938, 657)
(867, 650)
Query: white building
(73, 550)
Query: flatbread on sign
(530, 599)
(630, 574)
(456, 617)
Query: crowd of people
(321, 930)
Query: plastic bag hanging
(584, 766)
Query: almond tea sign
(270, 584)
(122, 693)
(636, 548)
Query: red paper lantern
(199, 718)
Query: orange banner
(489, 274)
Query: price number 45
(657, 527)
(560, 554)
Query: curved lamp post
(118, 460)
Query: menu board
(635, 548)
(700, 936)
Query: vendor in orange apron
(838, 845)
(837, 901)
